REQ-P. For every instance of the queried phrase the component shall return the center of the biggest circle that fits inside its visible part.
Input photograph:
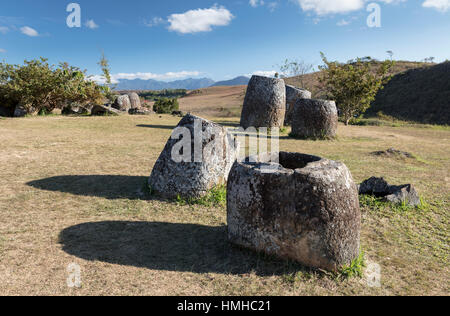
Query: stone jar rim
(283, 162)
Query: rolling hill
(420, 95)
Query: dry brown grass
(70, 191)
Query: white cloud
(2, 50)
(4, 29)
(154, 22)
(29, 31)
(441, 5)
(91, 24)
(323, 7)
(146, 76)
(256, 3)
(200, 20)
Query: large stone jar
(304, 208)
(315, 119)
(265, 103)
(293, 94)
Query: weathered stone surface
(21, 111)
(122, 103)
(293, 94)
(135, 100)
(200, 170)
(374, 186)
(396, 194)
(404, 194)
(104, 110)
(306, 209)
(265, 103)
(140, 111)
(315, 119)
(75, 109)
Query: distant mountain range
(238, 81)
(189, 84)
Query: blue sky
(169, 40)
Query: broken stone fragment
(392, 193)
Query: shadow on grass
(110, 187)
(168, 247)
(156, 126)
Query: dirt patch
(393, 153)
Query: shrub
(41, 87)
(355, 84)
(166, 106)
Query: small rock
(100, 110)
(135, 100)
(374, 186)
(74, 109)
(140, 111)
(122, 103)
(21, 111)
(392, 193)
(391, 152)
(404, 194)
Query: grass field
(71, 191)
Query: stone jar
(302, 207)
(265, 103)
(315, 119)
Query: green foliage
(167, 93)
(355, 84)
(378, 205)
(166, 106)
(214, 197)
(41, 87)
(355, 269)
(106, 70)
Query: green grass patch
(214, 197)
(355, 269)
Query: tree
(354, 85)
(296, 68)
(106, 69)
(390, 53)
(38, 86)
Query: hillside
(215, 101)
(311, 81)
(238, 81)
(418, 92)
(421, 95)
